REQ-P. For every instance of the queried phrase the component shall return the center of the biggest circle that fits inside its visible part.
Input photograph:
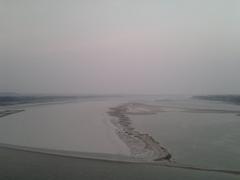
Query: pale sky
(120, 46)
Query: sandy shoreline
(108, 158)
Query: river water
(208, 140)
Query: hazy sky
(120, 46)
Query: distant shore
(4, 113)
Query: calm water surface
(209, 140)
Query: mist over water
(102, 47)
(104, 89)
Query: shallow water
(79, 126)
(199, 139)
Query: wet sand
(142, 146)
(17, 164)
(20, 163)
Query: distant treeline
(8, 99)
(233, 99)
(15, 100)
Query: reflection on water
(82, 126)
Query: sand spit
(142, 146)
(9, 112)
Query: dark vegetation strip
(17, 100)
(232, 99)
(9, 112)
